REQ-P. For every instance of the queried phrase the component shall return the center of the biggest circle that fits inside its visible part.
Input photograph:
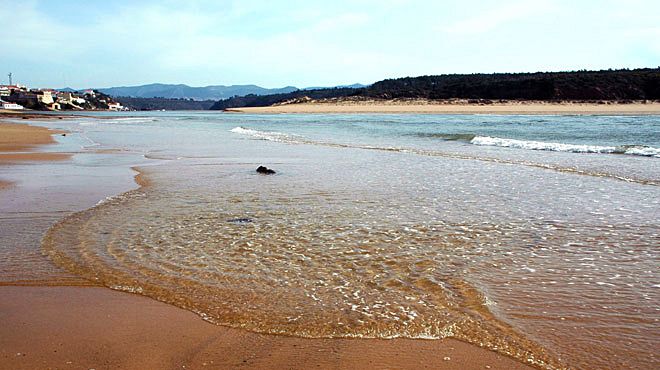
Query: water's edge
(514, 345)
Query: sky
(274, 43)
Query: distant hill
(164, 103)
(216, 92)
(637, 84)
(187, 92)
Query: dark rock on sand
(240, 220)
(265, 171)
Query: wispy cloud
(274, 43)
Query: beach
(458, 107)
(278, 185)
(52, 318)
(127, 181)
(419, 241)
(77, 327)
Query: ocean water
(534, 236)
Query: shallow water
(44, 192)
(390, 226)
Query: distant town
(21, 97)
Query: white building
(11, 106)
(45, 96)
(115, 106)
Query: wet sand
(27, 210)
(21, 157)
(17, 142)
(429, 107)
(93, 327)
(21, 136)
(98, 328)
(30, 114)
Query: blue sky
(315, 43)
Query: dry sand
(94, 327)
(429, 107)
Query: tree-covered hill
(581, 85)
(159, 103)
(266, 100)
(638, 84)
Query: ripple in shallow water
(336, 260)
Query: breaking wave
(560, 147)
(264, 135)
(480, 140)
(641, 150)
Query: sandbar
(19, 142)
(460, 107)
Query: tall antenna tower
(10, 78)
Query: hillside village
(20, 97)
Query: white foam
(108, 199)
(540, 145)
(126, 288)
(645, 151)
(560, 147)
(263, 135)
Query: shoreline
(30, 114)
(451, 107)
(20, 136)
(20, 142)
(96, 326)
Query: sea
(536, 236)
